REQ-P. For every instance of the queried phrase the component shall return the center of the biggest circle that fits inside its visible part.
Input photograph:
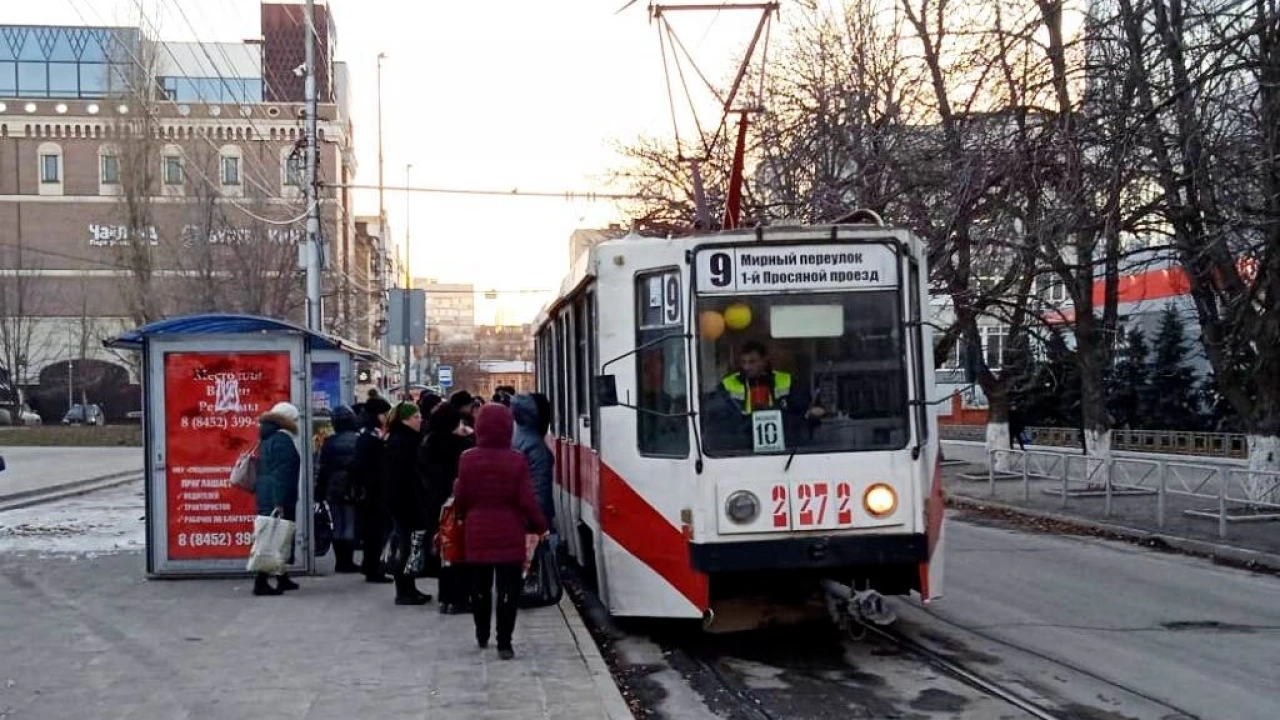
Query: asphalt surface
(1093, 629)
(1109, 627)
(35, 469)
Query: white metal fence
(1239, 494)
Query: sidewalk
(96, 640)
(1131, 515)
(47, 472)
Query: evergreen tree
(1174, 402)
(1051, 396)
(1129, 382)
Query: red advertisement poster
(212, 404)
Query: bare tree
(1207, 74)
(20, 302)
(136, 138)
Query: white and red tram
(687, 501)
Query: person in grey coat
(276, 489)
(531, 440)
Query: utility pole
(408, 288)
(382, 205)
(315, 319)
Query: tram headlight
(880, 500)
(742, 507)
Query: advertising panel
(326, 386)
(212, 403)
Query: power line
(589, 196)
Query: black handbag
(323, 523)
(542, 586)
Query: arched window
(173, 174)
(50, 170)
(231, 169)
(108, 169)
(292, 171)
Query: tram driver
(756, 386)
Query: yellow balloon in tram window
(737, 316)
(711, 324)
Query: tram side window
(662, 383)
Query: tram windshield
(811, 373)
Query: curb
(615, 707)
(37, 496)
(1226, 553)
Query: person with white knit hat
(276, 489)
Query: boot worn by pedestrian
(506, 653)
(262, 586)
(285, 584)
(407, 593)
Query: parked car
(84, 415)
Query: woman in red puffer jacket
(494, 499)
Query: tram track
(815, 671)
(965, 674)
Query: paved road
(1109, 626)
(37, 468)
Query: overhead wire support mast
(315, 318)
(667, 36)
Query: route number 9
(671, 299)
(721, 266)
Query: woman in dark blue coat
(276, 489)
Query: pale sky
(489, 94)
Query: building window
(293, 169)
(230, 170)
(51, 168)
(1051, 289)
(108, 169)
(994, 339)
(173, 170)
(662, 385)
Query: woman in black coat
(334, 484)
(447, 438)
(405, 494)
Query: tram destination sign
(732, 270)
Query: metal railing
(1169, 442)
(1240, 494)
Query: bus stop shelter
(206, 379)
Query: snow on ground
(105, 521)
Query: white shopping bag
(272, 541)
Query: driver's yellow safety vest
(741, 394)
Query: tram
(741, 418)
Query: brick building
(141, 179)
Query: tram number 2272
(812, 505)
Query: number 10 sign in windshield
(781, 268)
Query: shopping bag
(449, 539)
(272, 544)
(395, 552)
(542, 587)
(417, 559)
(244, 474)
(323, 523)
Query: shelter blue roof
(232, 324)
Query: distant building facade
(141, 179)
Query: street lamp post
(408, 287)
